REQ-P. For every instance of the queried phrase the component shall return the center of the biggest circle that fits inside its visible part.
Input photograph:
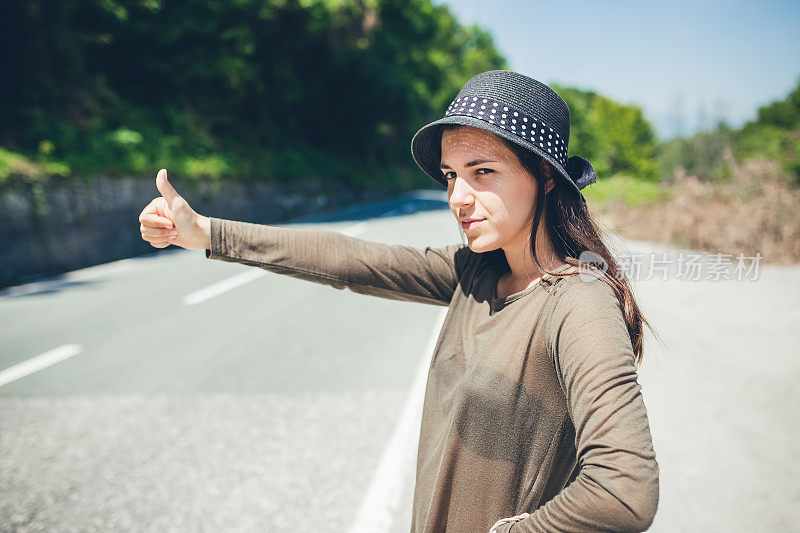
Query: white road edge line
(251, 274)
(39, 362)
(381, 501)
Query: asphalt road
(131, 401)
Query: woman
(533, 418)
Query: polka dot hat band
(513, 120)
(515, 107)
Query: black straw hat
(515, 107)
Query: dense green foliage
(616, 138)
(775, 134)
(281, 89)
(245, 88)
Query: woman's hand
(169, 219)
(507, 520)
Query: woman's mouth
(471, 223)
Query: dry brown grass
(757, 211)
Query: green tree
(268, 90)
(616, 138)
(774, 134)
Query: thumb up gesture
(169, 219)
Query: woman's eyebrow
(472, 163)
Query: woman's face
(486, 181)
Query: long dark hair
(573, 231)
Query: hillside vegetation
(291, 89)
(255, 90)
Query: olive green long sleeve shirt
(532, 408)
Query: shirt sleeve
(396, 272)
(617, 485)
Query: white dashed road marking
(252, 274)
(223, 286)
(39, 362)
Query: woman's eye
(447, 175)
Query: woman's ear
(547, 173)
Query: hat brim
(426, 146)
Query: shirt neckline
(495, 278)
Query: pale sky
(686, 63)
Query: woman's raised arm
(397, 272)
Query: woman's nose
(460, 193)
